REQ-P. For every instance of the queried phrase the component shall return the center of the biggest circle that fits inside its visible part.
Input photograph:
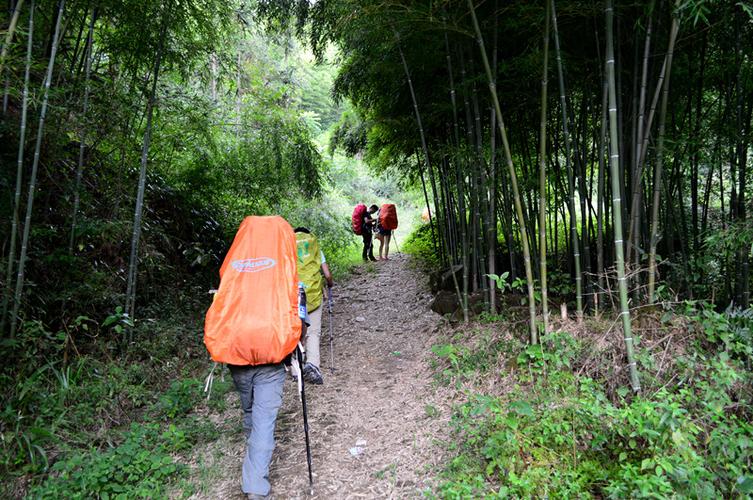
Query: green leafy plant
(500, 280)
(141, 466)
(180, 398)
(118, 321)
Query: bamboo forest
(563, 311)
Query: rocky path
(375, 421)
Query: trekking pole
(394, 236)
(302, 386)
(331, 336)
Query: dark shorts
(385, 232)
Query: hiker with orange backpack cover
(255, 325)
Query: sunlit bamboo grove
(628, 173)
(595, 153)
(583, 170)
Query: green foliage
(500, 280)
(349, 135)
(118, 321)
(563, 437)
(421, 245)
(76, 413)
(180, 398)
(730, 331)
(139, 467)
(460, 363)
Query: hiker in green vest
(311, 266)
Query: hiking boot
(312, 374)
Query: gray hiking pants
(260, 389)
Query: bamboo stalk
(614, 160)
(659, 164)
(570, 173)
(9, 34)
(600, 196)
(130, 305)
(513, 177)
(82, 138)
(20, 277)
(462, 295)
(491, 237)
(542, 174)
(419, 123)
(635, 204)
(19, 174)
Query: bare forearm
(327, 275)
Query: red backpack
(388, 217)
(357, 220)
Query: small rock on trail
(375, 402)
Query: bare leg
(380, 237)
(386, 247)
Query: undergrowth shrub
(421, 245)
(139, 467)
(557, 434)
(64, 412)
(180, 398)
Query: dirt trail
(380, 398)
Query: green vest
(309, 264)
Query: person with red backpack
(387, 222)
(364, 225)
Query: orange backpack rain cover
(254, 317)
(388, 216)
